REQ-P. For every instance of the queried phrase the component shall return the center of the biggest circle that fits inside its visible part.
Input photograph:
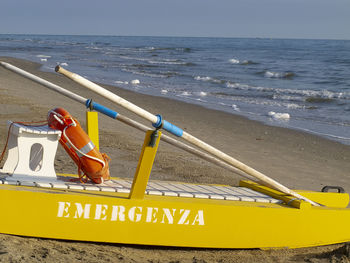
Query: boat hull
(167, 221)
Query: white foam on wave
(241, 86)
(316, 93)
(209, 79)
(135, 82)
(279, 116)
(145, 74)
(94, 48)
(201, 93)
(43, 59)
(163, 61)
(285, 94)
(278, 96)
(186, 93)
(62, 64)
(235, 107)
(164, 91)
(278, 75)
(203, 78)
(234, 61)
(294, 106)
(167, 62)
(43, 56)
(270, 74)
(121, 82)
(262, 101)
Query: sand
(296, 159)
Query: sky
(311, 19)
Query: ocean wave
(244, 86)
(279, 75)
(279, 116)
(235, 107)
(203, 78)
(181, 49)
(286, 97)
(160, 62)
(319, 100)
(316, 96)
(317, 93)
(249, 62)
(209, 79)
(201, 93)
(169, 74)
(256, 100)
(100, 43)
(234, 61)
(95, 48)
(188, 96)
(171, 62)
(43, 56)
(244, 62)
(160, 74)
(121, 82)
(133, 58)
(293, 106)
(142, 66)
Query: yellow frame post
(92, 127)
(145, 164)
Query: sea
(294, 83)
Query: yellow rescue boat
(37, 202)
(169, 213)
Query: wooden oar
(115, 115)
(158, 122)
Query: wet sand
(296, 159)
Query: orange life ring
(79, 146)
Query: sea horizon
(179, 36)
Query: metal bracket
(153, 138)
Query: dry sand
(296, 159)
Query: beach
(296, 159)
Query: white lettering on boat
(134, 214)
(79, 211)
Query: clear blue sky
(326, 19)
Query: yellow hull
(169, 221)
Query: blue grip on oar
(102, 109)
(167, 126)
(172, 128)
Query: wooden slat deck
(160, 188)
